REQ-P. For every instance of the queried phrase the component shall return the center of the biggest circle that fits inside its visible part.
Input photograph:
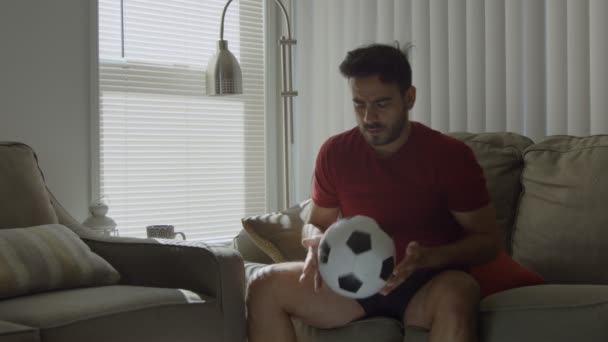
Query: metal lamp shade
(224, 75)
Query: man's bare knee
(456, 284)
(277, 287)
(450, 293)
(456, 294)
(270, 282)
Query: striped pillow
(280, 234)
(48, 257)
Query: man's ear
(410, 97)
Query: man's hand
(416, 257)
(311, 265)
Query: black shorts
(394, 304)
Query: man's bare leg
(448, 306)
(276, 294)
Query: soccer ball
(356, 257)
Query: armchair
(168, 291)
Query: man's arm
(479, 245)
(320, 219)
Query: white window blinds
(169, 154)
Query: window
(169, 154)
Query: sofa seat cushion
(117, 313)
(546, 313)
(558, 313)
(365, 330)
(25, 200)
(560, 230)
(11, 332)
(533, 313)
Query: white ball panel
(366, 266)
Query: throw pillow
(279, 234)
(502, 274)
(48, 257)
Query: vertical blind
(534, 67)
(169, 154)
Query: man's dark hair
(388, 62)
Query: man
(425, 189)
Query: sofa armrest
(198, 267)
(194, 266)
(213, 270)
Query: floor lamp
(224, 78)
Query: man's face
(381, 110)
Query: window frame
(272, 118)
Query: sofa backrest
(550, 199)
(561, 228)
(500, 157)
(25, 200)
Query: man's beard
(389, 135)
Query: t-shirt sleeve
(463, 179)
(324, 192)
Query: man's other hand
(311, 264)
(416, 257)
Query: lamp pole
(287, 94)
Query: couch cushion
(546, 313)
(25, 201)
(280, 234)
(371, 329)
(117, 313)
(48, 257)
(11, 332)
(562, 219)
(500, 157)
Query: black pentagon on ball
(387, 268)
(324, 250)
(350, 283)
(359, 242)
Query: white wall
(45, 90)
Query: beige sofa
(552, 201)
(166, 291)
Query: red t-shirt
(411, 193)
